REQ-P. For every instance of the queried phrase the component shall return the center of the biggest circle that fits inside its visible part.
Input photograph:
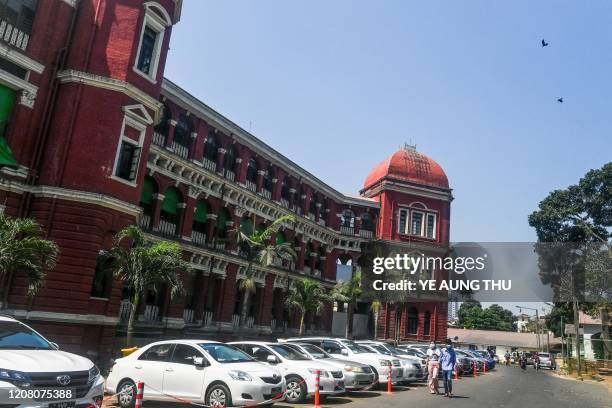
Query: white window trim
(435, 225)
(140, 127)
(156, 23)
(407, 225)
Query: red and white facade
(104, 141)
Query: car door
(334, 348)
(182, 378)
(149, 368)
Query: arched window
(312, 207)
(246, 226)
(200, 216)
(280, 238)
(230, 160)
(285, 189)
(252, 171)
(348, 218)
(366, 221)
(222, 218)
(182, 131)
(413, 321)
(170, 205)
(210, 147)
(267, 180)
(147, 195)
(103, 276)
(164, 124)
(427, 323)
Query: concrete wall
(360, 325)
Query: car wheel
(218, 395)
(126, 392)
(296, 390)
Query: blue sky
(337, 86)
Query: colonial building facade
(93, 138)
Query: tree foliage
(306, 296)
(471, 315)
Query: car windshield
(17, 336)
(380, 349)
(224, 353)
(288, 352)
(355, 348)
(315, 352)
(545, 355)
(394, 350)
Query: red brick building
(103, 140)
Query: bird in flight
(544, 43)
(560, 100)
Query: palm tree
(144, 265)
(348, 292)
(306, 295)
(256, 247)
(22, 249)
(375, 308)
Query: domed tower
(414, 196)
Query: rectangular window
(147, 50)
(127, 165)
(431, 226)
(401, 225)
(417, 223)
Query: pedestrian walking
(448, 364)
(433, 367)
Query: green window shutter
(280, 238)
(148, 189)
(201, 212)
(171, 200)
(7, 100)
(221, 220)
(246, 226)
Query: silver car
(411, 370)
(356, 375)
(547, 360)
(419, 362)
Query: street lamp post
(537, 323)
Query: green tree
(143, 265)
(578, 217)
(375, 308)
(348, 292)
(24, 250)
(468, 313)
(471, 315)
(306, 296)
(257, 248)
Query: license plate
(63, 404)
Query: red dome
(409, 165)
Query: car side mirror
(344, 352)
(272, 359)
(200, 362)
(55, 345)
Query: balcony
(145, 222)
(347, 230)
(198, 238)
(250, 185)
(159, 139)
(230, 175)
(208, 318)
(321, 222)
(284, 202)
(180, 150)
(151, 314)
(125, 307)
(188, 316)
(209, 164)
(364, 233)
(266, 193)
(167, 228)
(11, 34)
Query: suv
(29, 362)
(348, 349)
(199, 371)
(298, 368)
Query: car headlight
(16, 377)
(322, 373)
(93, 374)
(240, 375)
(353, 369)
(385, 363)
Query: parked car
(29, 360)
(298, 368)
(485, 354)
(201, 371)
(547, 360)
(415, 352)
(343, 348)
(356, 375)
(411, 366)
(480, 359)
(466, 362)
(529, 357)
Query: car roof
(7, 318)
(185, 341)
(258, 343)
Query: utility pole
(577, 332)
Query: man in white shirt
(433, 367)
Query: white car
(29, 363)
(298, 368)
(348, 349)
(411, 368)
(202, 371)
(356, 375)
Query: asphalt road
(507, 387)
